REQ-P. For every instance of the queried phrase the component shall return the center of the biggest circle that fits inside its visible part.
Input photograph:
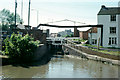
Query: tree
(7, 19)
(71, 35)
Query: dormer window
(113, 17)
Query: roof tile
(109, 11)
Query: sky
(84, 11)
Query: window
(112, 30)
(109, 41)
(94, 41)
(112, 40)
(113, 17)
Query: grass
(116, 53)
(79, 40)
(91, 45)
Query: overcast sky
(54, 10)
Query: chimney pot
(103, 6)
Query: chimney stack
(104, 7)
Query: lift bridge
(60, 40)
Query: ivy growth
(20, 47)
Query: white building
(109, 17)
(92, 38)
(54, 35)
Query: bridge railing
(63, 40)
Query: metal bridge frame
(75, 30)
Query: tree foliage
(71, 35)
(7, 19)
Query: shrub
(18, 47)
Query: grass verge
(116, 53)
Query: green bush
(79, 40)
(18, 47)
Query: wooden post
(102, 36)
(98, 46)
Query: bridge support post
(102, 36)
(76, 32)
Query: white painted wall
(105, 20)
(99, 35)
(94, 36)
(119, 31)
(119, 27)
(119, 4)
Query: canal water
(60, 66)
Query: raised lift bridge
(75, 28)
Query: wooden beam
(81, 26)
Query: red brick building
(84, 34)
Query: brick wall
(94, 30)
(36, 34)
(84, 34)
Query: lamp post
(15, 12)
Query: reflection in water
(63, 68)
(0, 72)
(0, 68)
(19, 72)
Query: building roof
(20, 26)
(109, 10)
(94, 30)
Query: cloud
(79, 0)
